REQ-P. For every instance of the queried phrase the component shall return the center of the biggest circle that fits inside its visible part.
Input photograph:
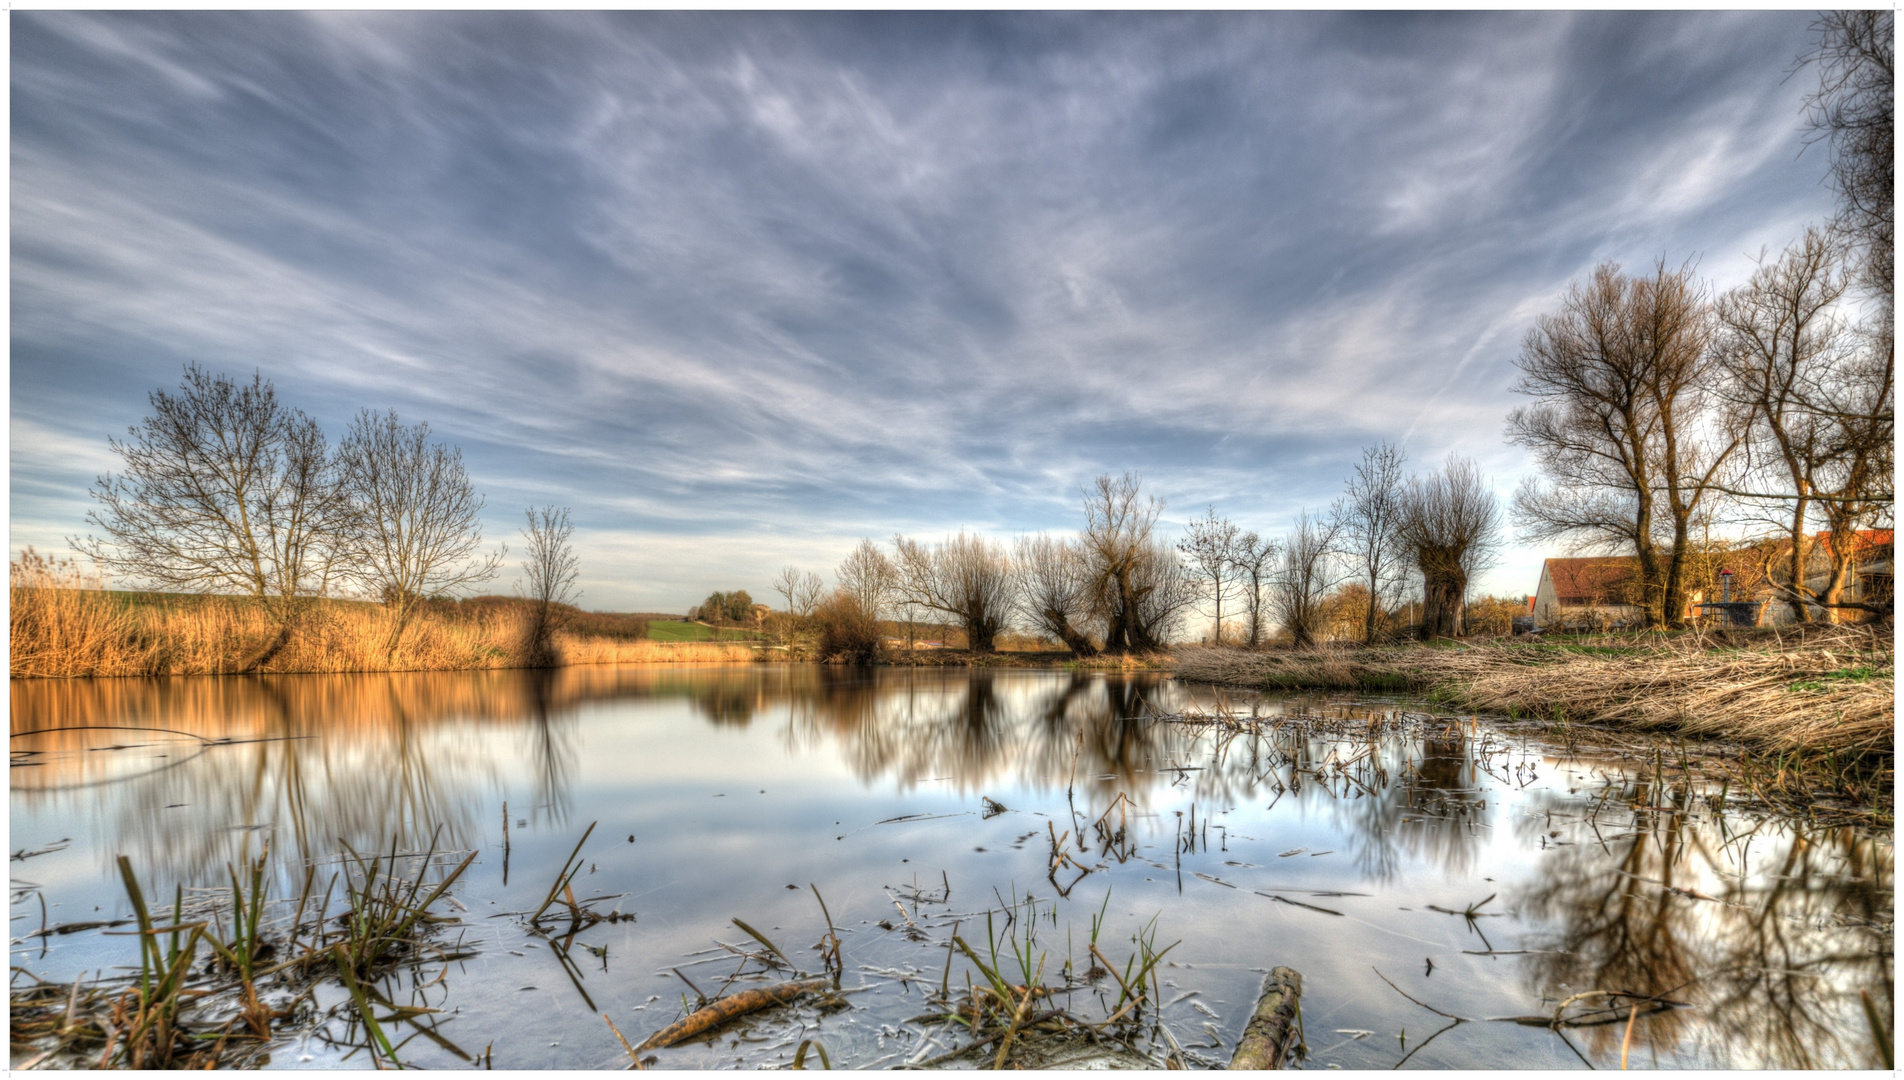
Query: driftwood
(1273, 1027)
(720, 1012)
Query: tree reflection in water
(1768, 927)
(1765, 926)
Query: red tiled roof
(1865, 542)
(1594, 580)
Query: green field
(693, 631)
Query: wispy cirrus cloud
(742, 287)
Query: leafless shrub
(1138, 586)
(1254, 558)
(802, 592)
(848, 633)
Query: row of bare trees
(1658, 407)
(1115, 586)
(226, 489)
(1118, 586)
(1385, 532)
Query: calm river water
(1484, 875)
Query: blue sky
(741, 288)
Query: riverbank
(1831, 690)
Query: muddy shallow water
(1482, 874)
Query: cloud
(742, 287)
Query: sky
(742, 288)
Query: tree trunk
(1374, 605)
(1441, 604)
(1673, 596)
(1076, 642)
(277, 646)
(980, 635)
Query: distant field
(693, 631)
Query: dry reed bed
(1833, 691)
(58, 631)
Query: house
(1870, 579)
(1601, 592)
(1588, 593)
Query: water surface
(1483, 874)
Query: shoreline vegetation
(1830, 688)
(65, 632)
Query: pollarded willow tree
(223, 489)
(967, 577)
(1054, 590)
(1138, 586)
(1451, 524)
(414, 525)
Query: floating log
(1272, 1029)
(727, 1008)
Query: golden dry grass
(599, 650)
(63, 625)
(1831, 691)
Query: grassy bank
(1831, 690)
(73, 632)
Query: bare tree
(869, 575)
(1254, 559)
(1054, 590)
(1138, 587)
(549, 573)
(1862, 406)
(1778, 337)
(1370, 526)
(802, 592)
(1452, 525)
(1309, 568)
(1210, 549)
(414, 525)
(223, 490)
(1619, 379)
(1854, 110)
(967, 577)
